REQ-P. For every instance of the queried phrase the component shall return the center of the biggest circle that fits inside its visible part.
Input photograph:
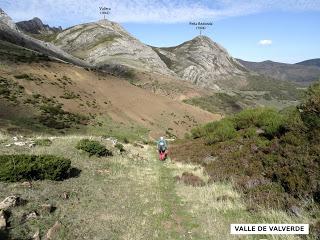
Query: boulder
(26, 184)
(28, 216)
(9, 202)
(19, 144)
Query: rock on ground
(9, 202)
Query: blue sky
(255, 30)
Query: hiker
(162, 148)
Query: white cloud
(265, 42)
(68, 12)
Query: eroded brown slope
(89, 92)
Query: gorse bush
(268, 120)
(32, 167)
(93, 148)
(220, 131)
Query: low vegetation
(43, 142)
(33, 167)
(281, 90)
(93, 148)
(120, 147)
(69, 95)
(272, 157)
(53, 116)
(219, 102)
(190, 179)
(24, 76)
(11, 52)
(10, 90)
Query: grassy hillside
(271, 157)
(280, 90)
(218, 103)
(260, 91)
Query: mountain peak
(202, 38)
(204, 63)
(105, 42)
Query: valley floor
(128, 196)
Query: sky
(254, 30)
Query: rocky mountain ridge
(9, 32)
(6, 20)
(36, 26)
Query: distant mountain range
(303, 73)
(198, 68)
(311, 62)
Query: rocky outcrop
(106, 42)
(36, 26)
(5, 19)
(204, 63)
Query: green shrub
(197, 132)
(120, 147)
(43, 142)
(69, 95)
(293, 120)
(311, 107)
(269, 120)
(93, 148)
(249, 132)
(247, 118)
(220, 131)
(23, 76)
(32, 167)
